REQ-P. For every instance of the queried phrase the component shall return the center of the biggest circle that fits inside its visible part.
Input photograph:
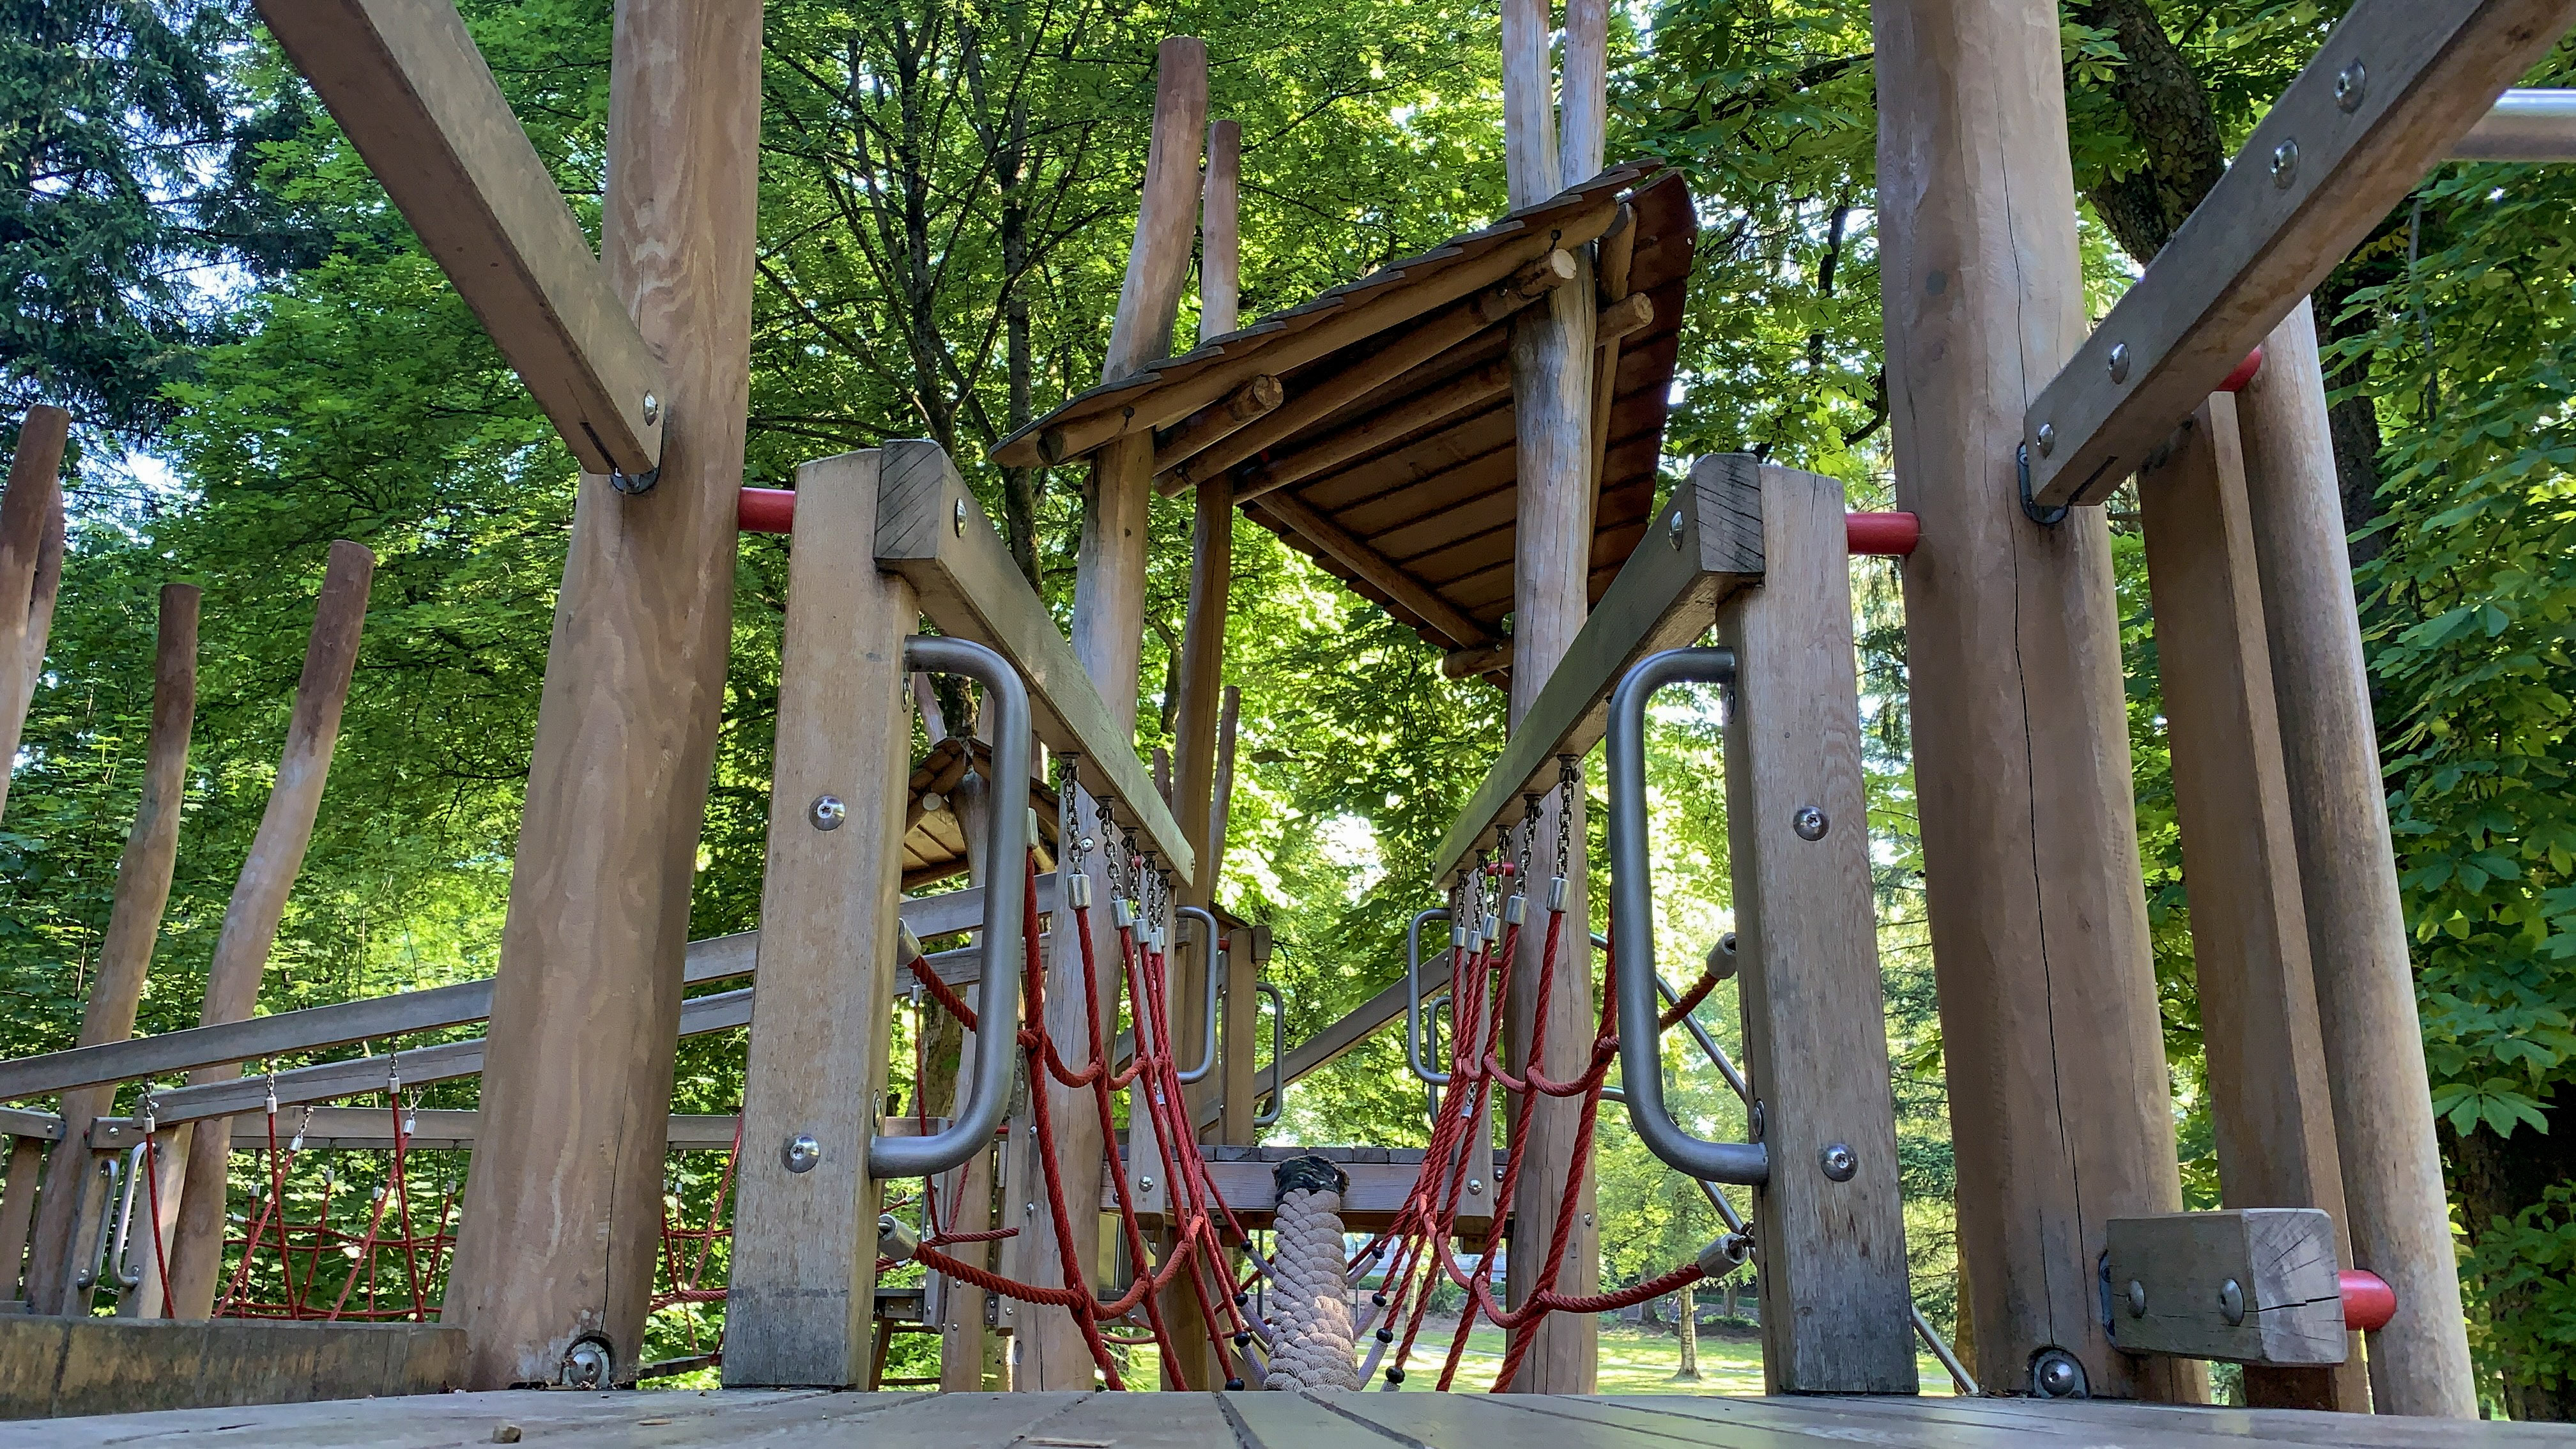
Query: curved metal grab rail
(1707, 1044)
(1632, 924)
(1278, 1054)
(1413, 995)
(997, 990)
(1212, 951)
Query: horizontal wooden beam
(718, 958)
(1702, 547)
(1471, 389)
(1217, 421)
(931, 530)
(2253, 1285)
(404, 80)
(2393, 88)
(1354, 553)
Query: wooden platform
(795, 1419)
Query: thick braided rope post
(1310, 1312)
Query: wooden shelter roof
(934, 840)
(1414, 501)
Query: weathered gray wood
(58, 1367)
(405, 82)
(2321, 169)
(804, 1247)
(1833, 1280)
(18, 1206)
(371, 1129)
(931, 530)
(2170, 1280)
(1706, 544)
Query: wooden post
(803, 1290)
(2249, 931)
(259, 903)
(558, 1231)
(31, 568)
(2399, 1218)
(1551, 354)
(2054, 1047)
(1108, 635)
(1833, 1281)
(133, 927)
(18, 1207)
(1221, 233)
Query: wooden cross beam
(2393, 88)
(405, 82)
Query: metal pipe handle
(1413, 995)
(1632, 925)
(1006, 850)
(86, 1269)
(120, 1256)
(1213, 952)
(1278, 1054)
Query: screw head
(2231, 1302)
(1809, 822)
(1838, 1161)
(586, 1365)
(2119, 362)
(2047, 439)
(2352, 86)
(652, 409)
(801, 1153)
(2137, 1299)
(827, 812)
(1145, 1184)
(1673, 530)
(957, 518)
(1753, 1121)
(1475, 1187)
(2285, 163)
(2056, 1374)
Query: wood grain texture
(557, 1238)
(2053, 1043)
(1159, 263)
(258, 901)
(2249, 932)
(1355, 554)
(2169, 1279)
(1833, 1280)
(1217, 421)
(1221, 232)
(404, 80)
(73, 1367)
(2396, 1210)
(803, 1281)
(18, 1208)
(2278, 221)
(31, 567)
(143, 875)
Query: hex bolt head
(1809, 822)
(801, 1153)
(827, 812)
(2137, 1299)
(2285, 163)
(1838, 1161)
(2352, 86)
(2119, 362)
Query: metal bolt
(2119, 362)
(2285, 163)
(2137, 1299)
(1810, 823)
(828, 812)
(652, 409)
(1753, 1121)
(2047, 439)
(586, 1365)
(1673, 531)
(802, 1152)
(1145, 1184)
(1475, 1186)
(2231, 1302)
(932, 802)
(957, 519)
(2352, 83)
(2056, 1374)
(1838, 1161)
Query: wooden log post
(803, 1287)
(2054, 1048)
(259, 903)
(2249, 931)
(559, 1228)
(1833, 1281)
(1551, 355)
(133, 927)
(31, 568)
(2397, 1214)
(1108, 637)
(27, 1156)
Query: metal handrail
(1212, 950)
(86, 1270)
(1707, 1044)
(1632, 923)
(1278, 1054)
(997, 991)
(1413, 995)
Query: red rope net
(310, 1270)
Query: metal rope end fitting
(907, 946)
(895, 1240)
(1077, 892)
(1516, 910)
(1122, 913)
(1556, 896)
(1725, 1255)
(1493, 928)
(1458, 936)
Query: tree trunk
(2498, 1177)
(1688, 1329)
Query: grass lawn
(1633, 1361)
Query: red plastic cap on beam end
(766, 510)
(2368, 1301)
(2244, 372)
(1885, 534)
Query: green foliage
(2529, 1265)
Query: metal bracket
(2044, 517)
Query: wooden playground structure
(1471, 439)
